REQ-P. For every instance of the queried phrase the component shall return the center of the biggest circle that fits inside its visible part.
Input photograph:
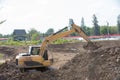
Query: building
(19, 35)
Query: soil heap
(101, 64)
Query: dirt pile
(91, 46)
(9, 71)
(101, 64)
(12, 51)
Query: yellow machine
(37, 57)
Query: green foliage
(96, 26)
(89, 31)
(35, 37)
(19, 43)
(1, 55)
(5, 36)
(49, 31)
(113, 29)
(83, 25)
(33, 34)
(74, 34)
(104, 30)
(62, 41)
(118, 23)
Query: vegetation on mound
(24, 43)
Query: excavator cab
(35, 50)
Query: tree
(89, 31)
(50, 31)
(33, 34)
(118, 23)
(104, 30)
(96, 26)
(113, 29)
(83, 25)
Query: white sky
(45, 14)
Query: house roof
(19, 32)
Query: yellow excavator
(37, 57)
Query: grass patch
(24, 43)
(62, 41)
(19, 43)
(1, 55)
(1, 63)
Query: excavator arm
(53, 38)
(60, 34)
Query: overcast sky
(45, 14)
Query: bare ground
(72, 61)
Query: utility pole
(108, 31)
(108, 28)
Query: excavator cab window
(35, 50)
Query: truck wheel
(45, 56)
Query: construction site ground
(71, 62)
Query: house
(19, 35)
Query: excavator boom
(61, 34)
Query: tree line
(97, 30)
(101, 30)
